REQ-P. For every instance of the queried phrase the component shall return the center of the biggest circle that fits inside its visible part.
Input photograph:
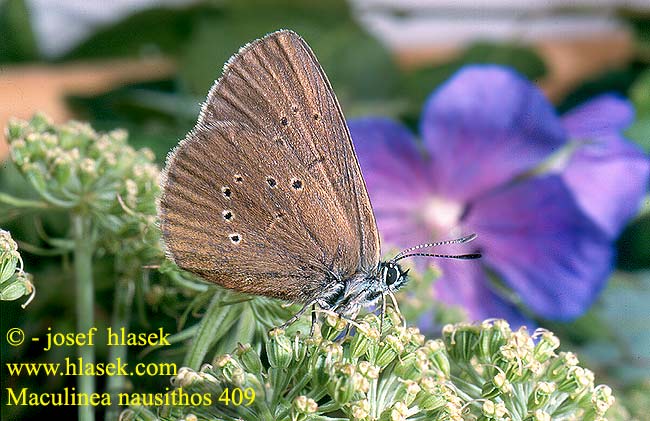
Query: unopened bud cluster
(520, 376)
(14, 282)
(73, 167)
(480, 372)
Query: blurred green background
(175, 53)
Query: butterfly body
(367, 288)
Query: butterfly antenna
(468, 256)
(461, 240)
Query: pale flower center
(441, 216)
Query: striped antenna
(446, 256)
(461, 240)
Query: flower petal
(464, 283)
(604, 115)
(536, 238)
(607, 174)
(484, 126)
(395, 175)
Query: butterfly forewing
(265, 195)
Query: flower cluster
(546, 195)
(75, 168)
(518, 376)
(14, 282)
(482, 372)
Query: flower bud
(393, 317)
(389, 349)
(368, 370)
(336, 322)
(399, 411)
(546, 346)
(361, 410)
(62, 170)
(299, 348)
(231, 370)
(87, 170)
(498, 385)
(494, 410)
(185, 377)
(539, 415)
(333, 352)
(16, 128)
(416, 338)
(343, 384)
(460, 340)
(40, 122)
(541, 394)
(577, 379)
(14, 289)
(602, 399)
(249, 358)
(9, 256)
(432, 394)
(412, 365)
(365, 337)
(437, 354)
(407, 391)
(492, 337)
(304, 405)
(278, 349)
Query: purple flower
(546, 232)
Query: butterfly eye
(391, 275)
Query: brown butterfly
(265, 195)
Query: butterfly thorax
(366, 288)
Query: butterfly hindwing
(265, 195)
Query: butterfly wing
(265, 195)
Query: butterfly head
(392, 276)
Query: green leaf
(632, 245)
(153, 112)
(640, 97)
(639, 21)
(358, 66)
(17, 41)
(420, 83)
(616, 81)
(153, 31)
(640, 94)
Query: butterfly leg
(396, 307)
(383, 313)
(295, 317)
(313, 319)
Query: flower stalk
(120, 319)
(85, 299)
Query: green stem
(22, 203)
(83, 254)
(120, 320)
